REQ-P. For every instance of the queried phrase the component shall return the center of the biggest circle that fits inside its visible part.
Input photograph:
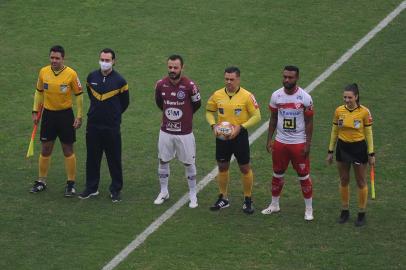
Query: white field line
(254, 136)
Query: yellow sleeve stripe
(124, 88)
(108, 95)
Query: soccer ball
(224, 130)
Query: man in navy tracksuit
(109, 98)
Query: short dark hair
(354, 89)
(57, 48)
(108, 50)
(233, 69)
(174, 57)
(292, 68)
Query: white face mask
(105, 66)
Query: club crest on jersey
(221, 111)
(357, 123)
(340, 122)
(299, 97)
(180, 94)
(63, 88)
(45, 86)
(237, 112)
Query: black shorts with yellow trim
(58, 124)
(352, 152)
(239, 146)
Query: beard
(173, 75)
(289, 86)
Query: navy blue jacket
(109, 98)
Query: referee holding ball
(237, 106)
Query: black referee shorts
(352, 152)
(239, 146)
(58, 124)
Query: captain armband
(195, 97)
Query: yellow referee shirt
(58, 87)
(236, 108)
(351, 123)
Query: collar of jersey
(108, 75)
(57, 72)
(345, 106)
(231, 94)
(296, 89)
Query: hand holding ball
(224, 130)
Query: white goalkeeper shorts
(183, 147)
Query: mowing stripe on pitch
(254, 136)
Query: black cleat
(361, 220)
(115, 196)
(247, 206)
(70, 190)
(38, 186)
(220, 204)
(87, 194)
(344, 216)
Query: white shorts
(183, 147)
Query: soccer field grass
(48, 231)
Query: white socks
(275, 200)
(163, 173)
(190, 172)
(309, 203)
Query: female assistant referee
(352, 131)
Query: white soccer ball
(224, 130)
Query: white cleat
(308, 214)
(272, 208)
(161, 198)
(193, 202)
